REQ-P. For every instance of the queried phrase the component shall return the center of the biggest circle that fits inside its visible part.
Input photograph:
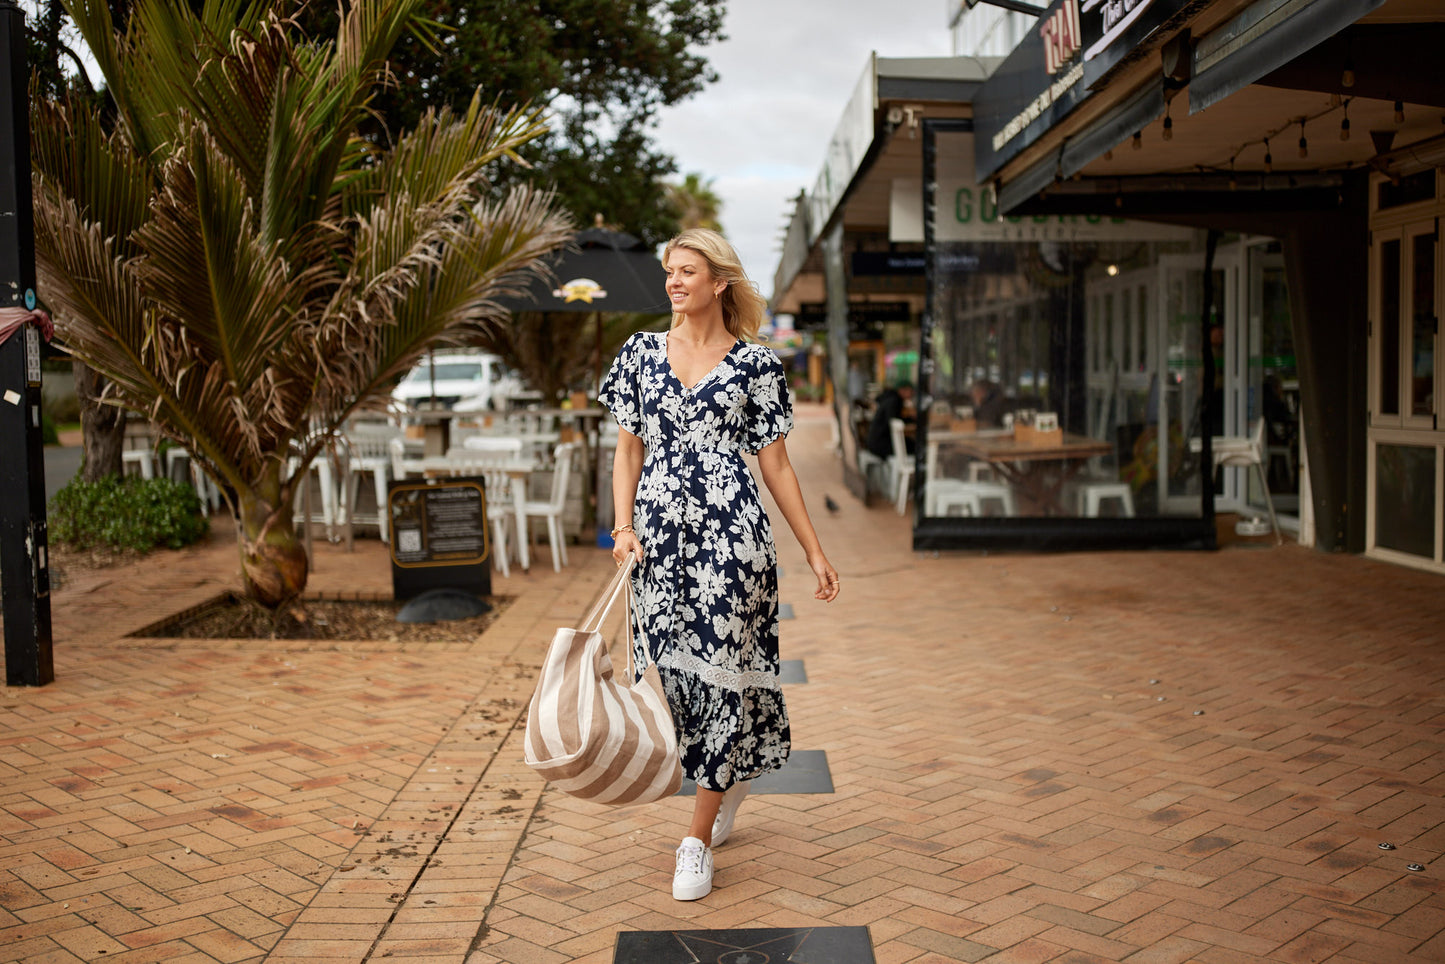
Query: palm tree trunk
(102, 426)
(273, 560)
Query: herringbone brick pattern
(1120, 757)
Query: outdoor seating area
(535, 465)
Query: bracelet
(622, 528)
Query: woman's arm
(626, 471)
(782, 482)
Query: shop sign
(861, 314)
(846, 150)
(969, 212)
(1055, 68)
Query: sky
(786, 72)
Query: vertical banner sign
(24, 549)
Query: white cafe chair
(900, 465)
(1243, 452)
(369, 453)
(552, 508)
(944, 496)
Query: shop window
(1410, 190)
(1423, 326)
(1405, 499)
(1388, 328)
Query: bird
(828, 501)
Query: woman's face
(690, 284)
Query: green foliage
(114, 513)
(242, 267)
(603, 68)
(49, 435)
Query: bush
(49, 435)
(118, 513)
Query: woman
(689, 402)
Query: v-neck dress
(707, 589)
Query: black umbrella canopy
(607, 271)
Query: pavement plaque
(772, 945)
(439, 536)
(805, 772)
(792, 671)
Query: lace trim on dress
(717, 676)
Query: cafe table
(1039, 470)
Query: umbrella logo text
(580, 289)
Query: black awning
(1263, 37)
(1121, 122)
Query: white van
(470, 376)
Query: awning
(1263, 37)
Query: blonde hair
(743, 307)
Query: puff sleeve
(769, 408)
(619, 393)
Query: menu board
(439, 536)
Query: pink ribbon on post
(12, 318)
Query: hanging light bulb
(1345, 123)
(1347, 76)
(1168, 128)
(1233, 181)
(1268, 158)
(1304, 145)
(1335, 100)
(1399, 112)
(1138, 142)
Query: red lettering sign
(1062, 37)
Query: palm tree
(244, 268)
(695, 203)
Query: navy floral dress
(707, 590)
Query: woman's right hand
(623, 543)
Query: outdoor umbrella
(606, 271)
(601, 271)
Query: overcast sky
(785, 72)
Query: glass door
(1271, 382)
(1181, 372)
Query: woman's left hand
(827, 579)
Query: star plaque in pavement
(801, 945)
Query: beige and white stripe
(596, 737)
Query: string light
(1109, 154)
(1168, 125)
(1268, 158)
(1233, 181)
(1399, 112)
(1345, 123)
(1304, 145)
(1138, 142)
(1347, 76)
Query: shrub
(49, 435)
(119, 513)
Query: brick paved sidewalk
(1102, 757)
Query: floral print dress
(707, 589)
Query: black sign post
(24, 566)
(439, 537)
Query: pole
(24, 548)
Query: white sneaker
(732, 799)
(692, 880)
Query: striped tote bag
(592, 735)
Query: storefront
(1301, 141)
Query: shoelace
(689, 860)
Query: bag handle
(619, 587)
(600, 610)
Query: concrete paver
(1099, 757)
